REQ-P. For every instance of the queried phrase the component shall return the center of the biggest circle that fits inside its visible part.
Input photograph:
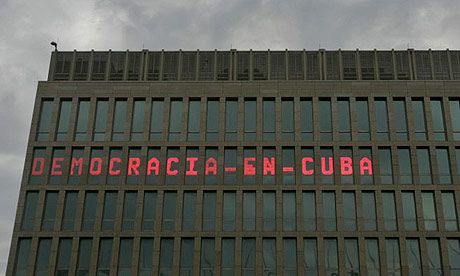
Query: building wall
(428, 91)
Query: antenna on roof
(54, 44)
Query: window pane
(332, 65)
(369, 213)
(153, 176)
(409, 214)
(306, 119)
(188, 213)
(169, 211)
(146, 257)
(250, 119)
(277, 65)
(289, 211)
(269, 211)
(381, 117)
(405, 167)
(389, 211)
(288, 159)
(250, 165)
(137, 128)
(49, 212)
(367, 65)
(230, 175)
(453, 248)
(63, 257)
(206, 66)
(175, 120)
(349, 211)
(287, 119)
(208, 255)
(211, 162)
(192, 167)
(309, 211)
(194, 114)
(372, 257)
(269, 120)
(63, 64)
(114, 166)
(76, 167)
(172, 175)
(423, 65)
(313, 62)
(437, 120)
(449, 211)
(248, 256)
(362, 108)
(64, 118)
(30, 210)
(89, 211)
(156, 120)
(393, 261)
(228, 256)
(68, 217)
(212, 120)
(186, 260)
(295, 61)
(400, 118)
(310, 257)
(229, 212)
(99, 66)
(455, 117)
(325, 120)
(242, 66)
(424, 167)
(429, 211)
(327, 166)
(119, 120)
(43, 257)
(188, 66)
(386, 170)
(352, 256)
(269, 256)
(209, 211)
(343, 114)
(413, 257)
(349, 65)
(110, 209)
(346, 176)
(149, 211)
(95, 167)
(290, 257)
(434, 257)
(117, 66)
(129, 211)
(135, 161)
(45, 119)
(166, 256)
(84, 256)
(329, 213)
(100, 124)
(125, 257)
(366, 178)
(56, 173)
(231, 119)
(81, 126)
(105, 256)
(331, 259)
(419, 119)
(269, 166)
(442, 158)
(309, 166)
(249, 211)
(170, 65)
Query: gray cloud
(27, 27)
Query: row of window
(257, 65)
(369, 256)
(388, 165)
(150, 118)
(303, 211)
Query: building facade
(243, 163)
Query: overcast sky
(27, 27)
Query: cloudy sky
(27, 27)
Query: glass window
(372, 257)
(153, 66)
(419, 119)
(129, 211)
(290, 256)
(231, 119)
(81, 126)
(325, 119)
(169, 211)
(453, 248)
(110, 210)
(99, 66)
(310, 257)
(105, 256)
(43, 257)
(269, 166)
(125, 256)
(56, 166)
(309, 166)
(343, 106)
(346, 176)
(288, 159)
(393, 260)
(327, 166)
(175, 120)
(208, 256)
(134, 60)
(44, 122)
(192, 167)
(313, 65)
(389, 211)
(437, 116)
(248, 256)
(449, 211)
(249, 211)
(76, 166)
(137, 127)
(95, 167)
(228, 256)
(429, 211)
(114, 166)
(309, 211)
(329, 213)
(362, 109)
(153, 176)
(229, 212)
(100, 123)
(455, 62)
(166, 256)
(434, 257)
(457, 158)
(287, 119)
(170, 65)
(402, 65)
(440, 65)
(367, 177)
(149, 212)
(423, 65)
(295, 62)
(64, 119)
(146, 257)
(172, 166)
(277, 65)
(156, 120)
(331, 259)
(349, 65)
(194, 119)
(223, 65)
(269, 119)
(70, 204)
(210, 166)
(186, 259)
(133, 166)
(81, 66)
(400, 119)
(413, 257)
(38, 166)
(49, 212)
(405, 167)
(349, 211)
(117, 66)
(332, 65)
(63, 256)
(409, 211)
(212, 120)
(289, 211)
(269, 211)
(366, 59)
(89, 211)
(84, 256)
(381, 117)
(386, 170)
(250, 119)
(442, 158)
(424, 167)
(30, 210)
(206, 66)
(242, 66)
(269, 256)
(188, 66)
(369, 212)
(209, 211)
(22, 256)
(250, 164)
(306, 119)
(352, 256)
(230, 175)
(188, 212)
(454, 105)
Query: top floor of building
(251, 65)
